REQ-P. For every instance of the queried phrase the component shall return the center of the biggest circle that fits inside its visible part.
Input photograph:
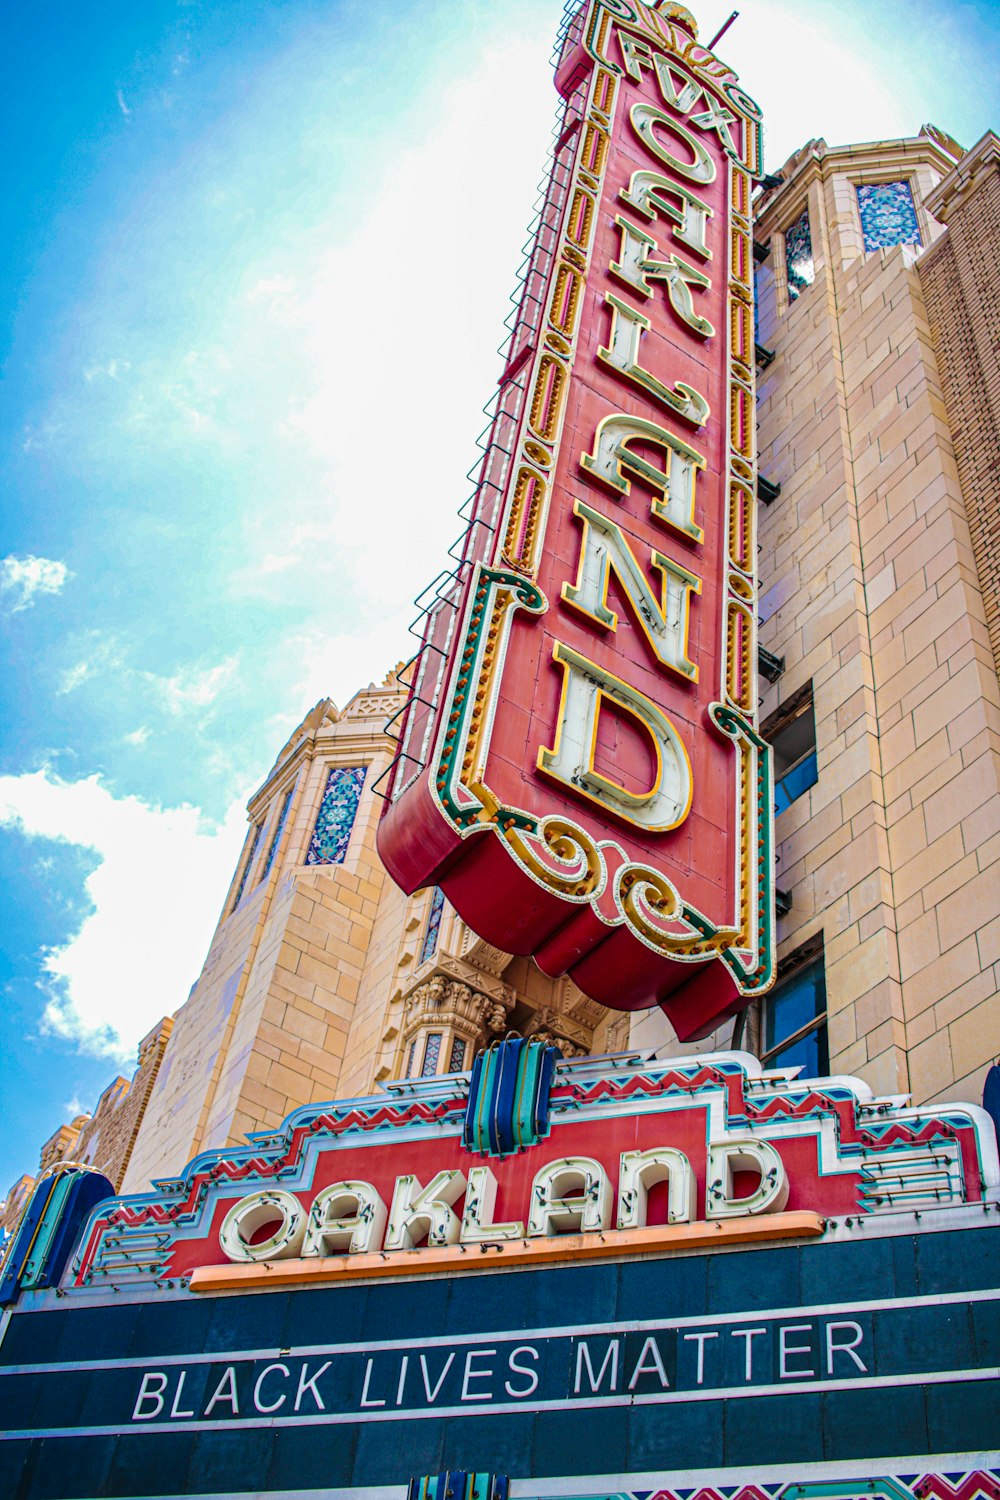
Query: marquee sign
(633, 1156)
(579, 764)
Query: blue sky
(257, 257)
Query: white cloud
(24, 577)
(155, 898)
(75, 677)
(138, 736)
(122, 105)
(194, 687)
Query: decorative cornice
(965, 178)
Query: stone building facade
(879, 551)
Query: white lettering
(274, 1405)
(700, 1338)
(622, 354)
(349, 1216)
(785, 1349)
(518, 1369)
(175, 1409)
(251, 1214)
(613, 457)
(418, 1212)
(402, 1379)
(471, 1374)
(310, 1385)
(480, 1203)
(641, 1170)
(364, 1392)
(749, 1334)
(652, 1349)
(587, 691)
(701, 167)
(147, 1392)
(583, 1358)
(432, 1395)
(728, 1157)
(664, 621)
(226, 1391)
(834, 1347)
(571, 1195)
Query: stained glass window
(337, 812)
(457, 1060)
(799, 255)
(433, 925)
(888, 216)
(279, 829)
(432, 1052)
(409, 1059)
(258, 830)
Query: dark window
(279, 829)
(791, 732)
(794, 1030)
(258, 830)
(457, 1060)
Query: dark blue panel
(663, 1288)
(843, 1273)
(790, 1427)
(584, 1294)
(17, 1464)
(754, 1279)
(986, 1332)
(958, 1262)
(405, 1308)
(332, 1315)
(963, 1418)
(583, 1441)
(245, 1322)
(171, 1326)
(312, 1457)
(490, 1445)
(71, 1468)
(482, 1304)
(106, 1393)
(395, 1452)
(150, 1464)
(938, 1337)
(681, 1435)
(31, 1338)
(904, 1265)
(853, 1427)
(230, 1460)
(97, 1332)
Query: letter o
(251, 1213)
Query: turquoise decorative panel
(337, 812)
(457, 1060)
(430, 942)
(799, 255)
(432, 1052)
(888, 216)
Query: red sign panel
(579, 764)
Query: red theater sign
(579, 765)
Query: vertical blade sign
(579, 766)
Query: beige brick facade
(870, 591)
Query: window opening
(279, 829)
(433, 927)
(795, 1016)
(791, 732)
(258, 830)
(799, 267)
(432, 1051)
